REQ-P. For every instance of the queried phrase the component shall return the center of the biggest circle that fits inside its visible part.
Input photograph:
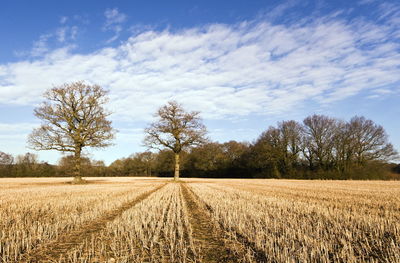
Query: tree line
(73, 117)
(320, 147)
(29, 165)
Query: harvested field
(196, 220)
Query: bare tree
(369, 141)
(29, 159)
(268, 152)
(147, 158)
(342, 147)
(6, 159)
(291, 138)
(73, 118)
(6, 163)
(320, 132)
(176, 130)
(66, 164)
(27, 165)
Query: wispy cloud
(113, 17)
(114, 21)
(281, 10)
(253, 67)
(66, 33)
(140, 28)
(40, 46)
(61, 33)
(63, 19)
(62, 36)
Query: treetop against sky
(243, 64)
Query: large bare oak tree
(73, 117)
(176, 130)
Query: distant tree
(27, 165)
(234, 150)
(117, 168)
(145, 160)
(138, 164)
(98, 168)
(207, 158)
(216, 159)
(73, 118)
(277, 152)
(6, 162)
(342, 147)
(164, 163)
(236, 153)
(320, 132)
(176, 130)
(291, 134)
(98, 163)
(369, 141)
(268, 152)
(396, 168)
(6, 159)
(28, 158)
(67, 164)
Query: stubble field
(198, 220)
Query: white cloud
(225, 71)
(113, 16)
(66, 33)
(73, 32)
(40, 46)
(63, 35)
(140, 28)
(114, 19)
(61, 32)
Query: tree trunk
(77, 168)
(176, 175)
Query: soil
(207, 237)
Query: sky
(245, 65)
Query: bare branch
(73, 117)
(175, 129)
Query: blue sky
(243, 64)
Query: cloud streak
(253, 67)
(114, 21)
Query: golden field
(198, 220)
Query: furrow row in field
(155, 230)
(290, 231)
(26, 224)
(170, 226)
(54, 250)
(207, 237)
(201, 221)
(320, 193)
(355, 208)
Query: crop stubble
(201, 221)
(64, 243)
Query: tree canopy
(73, 117)
(176, 130)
